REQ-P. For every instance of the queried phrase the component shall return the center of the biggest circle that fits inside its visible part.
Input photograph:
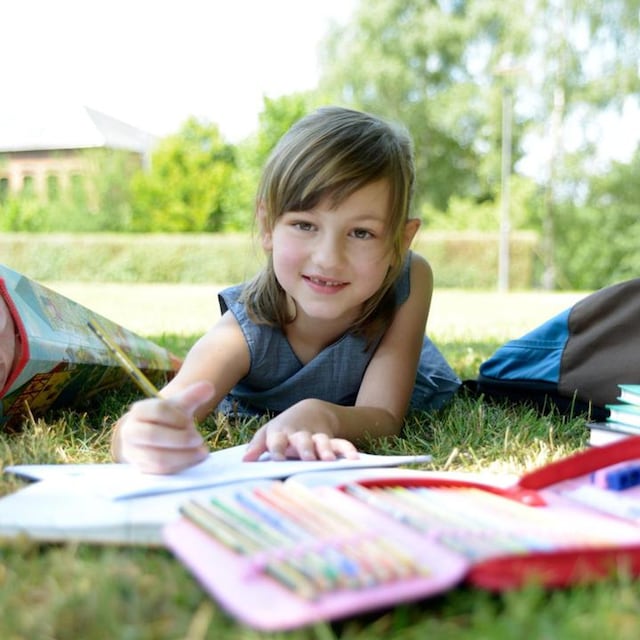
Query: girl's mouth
(323, 284)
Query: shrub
(459, 259)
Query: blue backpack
(575, 360)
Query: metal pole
(505, 223)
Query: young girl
(329, 339)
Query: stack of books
(623, 420)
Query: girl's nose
(329, 252)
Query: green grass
(81, 591)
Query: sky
(155, 63)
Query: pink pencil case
(547, 528)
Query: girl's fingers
(193, 397)
(305, 445)
(257, 446)
(175, 412)
(143, 428)
(344, 448)
(277, 443)
(165, 461)
(159, 435)
(302, 445)
(323, 448)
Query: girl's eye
(303, 226)
(362, 234)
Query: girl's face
(330, 261)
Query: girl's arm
(390, 377)
(159, 435)
(309, 429)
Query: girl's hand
(159, 435)
(303, 431)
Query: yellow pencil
(145, 385)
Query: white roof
(45, 128)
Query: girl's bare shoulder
(421, 273)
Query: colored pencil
(143, 383)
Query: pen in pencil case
(617, 477)
(143, 383)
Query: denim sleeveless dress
(277, 379)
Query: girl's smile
(323, 286)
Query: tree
(186, 188)
(602, 233)
(583, 61)
(107, 205)
(438, 66)
(278, 114)
(430, 65)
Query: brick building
(46, 152)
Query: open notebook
(117, 503)
(283, 555)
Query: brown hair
(333, 152)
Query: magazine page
(59, 361)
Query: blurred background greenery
(507, 103)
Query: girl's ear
(265, 230)
(410, 229)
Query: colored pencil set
(479, 524)
(317, 542)
(280, 555)
(310, 545)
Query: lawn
(57, 592)
(154, 309)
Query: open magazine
(50, 358)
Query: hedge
(459, 260)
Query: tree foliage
(429, 65)
(600, 236)
(442, 67)
(446, 69)
(583, 63)
(278, 114)
(187, 185)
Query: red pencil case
(427, 533)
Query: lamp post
(505, 193)
(506, 69)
